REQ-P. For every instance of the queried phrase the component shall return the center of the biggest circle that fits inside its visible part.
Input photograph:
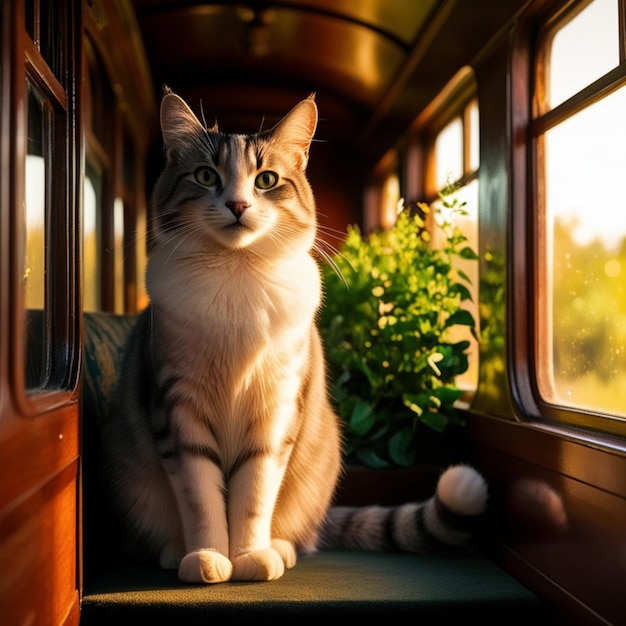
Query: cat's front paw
(287, 551)
(266, 564)
(205, 566)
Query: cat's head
(235, 192)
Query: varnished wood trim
(557, 516)
(567, 451)
(39, 71)
(33, 448)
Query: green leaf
(448, 394)
(461, 317)
(462, 290)
(435, 420)
(468, 253)
(362, 418)
(461, 346)
(370, 458)
(464, 276)
(400, 447)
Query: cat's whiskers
(334, 233)
(328, 252)
(178, 234)
(283, 232)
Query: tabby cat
(224, 451)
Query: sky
(586, 155)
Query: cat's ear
(296, 130)
(178, 121)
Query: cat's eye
(266, 180)
(206, 176)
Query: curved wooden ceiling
(255, 59)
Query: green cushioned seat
(435, 588)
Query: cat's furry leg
(205, 566)
(171, 555)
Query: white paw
(286, 550)
(266, 564)
(462, 489)
(205, 566)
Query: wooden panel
(361, 486)
(39, 431)
(38, 552)
(558, 514)
(33, 447)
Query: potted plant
(392, 302)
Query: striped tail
(448, 517)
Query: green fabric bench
(435, 588)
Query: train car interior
(496, 128)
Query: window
(579, 134)
(383, 195)
(111, 262)
(443, 152)
(452, 159)
(92, 201)
(44, 237)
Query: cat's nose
(237, 208)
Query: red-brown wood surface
(38, 545)
(39, 429)
(558, 516)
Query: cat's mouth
(236, 225)
(238, 234)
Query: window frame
(61, 319)
(527, 238)
(453, 102)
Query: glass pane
(118, 254)
(53, 36)
(583, 50)
(390, 197)
(91, 254)
(586, 226)
(34, 269)
(35, 261)
(139, 269)
(467, 223)
(29, 17)
(449, 154)
(474, 143)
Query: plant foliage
(391, 303)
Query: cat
(224, 451)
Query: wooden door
(39, 312)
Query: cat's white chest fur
(234, 312)
(237, 293)
(237, 334)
